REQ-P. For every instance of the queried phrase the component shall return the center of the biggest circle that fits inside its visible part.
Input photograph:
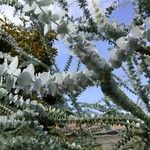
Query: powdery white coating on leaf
(37, 86)
(31, 70)
(3, 67)
(13, 65)
(122, 43)
(45, 76)
(113, 54)
(37, 10)
(28, 8)
(9, 83)
(59, 77)
(137, 32)
(16, 74)
(55, 9)
(24, 79)
(3, 92)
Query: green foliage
(39, 106)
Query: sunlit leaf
(13, 65)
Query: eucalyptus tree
(35, 96)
